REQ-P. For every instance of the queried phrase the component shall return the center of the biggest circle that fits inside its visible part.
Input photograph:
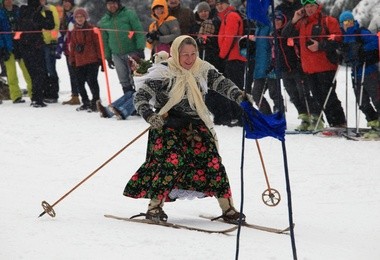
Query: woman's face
(158, 10)
(311, 9)
(67, 5)
(80, 19)
(187, 56)
(204, 15)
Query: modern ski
(254, 226)
(173, 225)
(297, 132)
(360, 138)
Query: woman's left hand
(155, 121)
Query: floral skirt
(180, 163)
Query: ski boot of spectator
(305, 122)
(372, 134)
(313, 123)
(374, 124)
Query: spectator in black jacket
(292, 75)
(32, 44)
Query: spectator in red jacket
(85, 58)
(317, 51)
(231, 29)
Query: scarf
(186, 84)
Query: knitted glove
(244, 97)
(155, 121)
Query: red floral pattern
(175, 161)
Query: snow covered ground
(45, 152)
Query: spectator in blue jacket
(6, 45)
(5, 39)
(361, 51)
(12, 11)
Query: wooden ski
(254, 226)
(173, 225)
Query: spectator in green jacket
(123, 36)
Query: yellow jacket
(51, 35)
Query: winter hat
(34, 3)
(116, 1)
(346, 16)
(70, 1)
(279, 16)
(203, 6)
(222, 1)
(81, 11)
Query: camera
(79, 48)
(309, 42)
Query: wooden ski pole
(273, 195)
(49, 208)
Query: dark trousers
(35, 63)
(88, 73)
(52, 89)
(299, 93)
(320, 84)
(234, 70)
(259, 88)
(73, 78)
(371, 92)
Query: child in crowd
(85, 57)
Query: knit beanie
(116, 1)
(34, 3)
(81, 11)
(222, 1)
(203, 6)
(346, 16)
(70, 1)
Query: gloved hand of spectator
(4, 54)
(101, 65)
(202, 41)
(155, 121)
(152, 36)
(111, 65)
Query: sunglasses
(305, 2)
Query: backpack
(248, 29)
(248, 25)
